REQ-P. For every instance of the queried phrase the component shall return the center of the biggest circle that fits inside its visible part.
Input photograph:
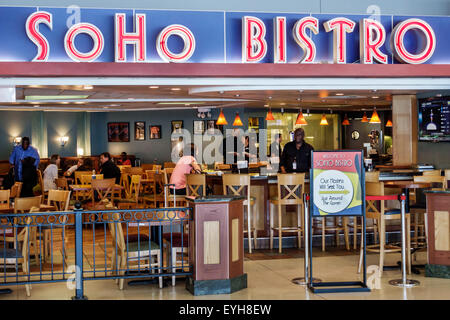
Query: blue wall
(13, 124)
(62, 124)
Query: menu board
(434, 119)
(336, 183)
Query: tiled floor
(269, 277)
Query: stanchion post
(79, 289)
(403, 282)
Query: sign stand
(333, 183)
(305, 280)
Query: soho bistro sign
(120, 35)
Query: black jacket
(110, 170)
(302, 157)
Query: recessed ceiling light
(88, 87)
(64, 102)
(270, 97)
(237, 95)
(339, 94)
(375, 97)
(153, 87)
(266, 105)
(439, 95)
(79, 102)
(37, 106)
(130, 98)
(175, 89)
(221, 92)
(282, 104)
(105, 107)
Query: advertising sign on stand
(337, 189)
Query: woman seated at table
(187, 164)
(51, 173)
(123, 161)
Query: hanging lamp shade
(345, 122)
(301, 119)
(221, 120)
(375, 118)
(323, 121)
(389, 123)
(364, 118)
(270, 115)
(237, 120)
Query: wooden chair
(132, 195)
(418, 211)
(239, 185)
(135, 171)
(87, 178)
(151, 194)
(14, 257)
(24, 205)
(62, 184)
(194, 182)
(60, 199)
(104, 189)
(290, 189)
(78, 175)
(382, 214)
(437, 172)
(147, 166)
(41, 184)
(168, 165)
(447, 178)
(167, 173)
(4, 198)
(16, 189)
(121, 167)
(143, 251)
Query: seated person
(108, 168)
(51, 173)
(123, 161)
(187, 164)
(78, 166)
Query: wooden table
(405, 186)
(43, 207)
(87, 187)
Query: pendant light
(221, 120)
(323, 121)
(270, 115)
(389, 123)
(345, 122)
(375, 118)
(301, 119)
(237, 121)
(364, 118)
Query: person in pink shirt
(187, 164)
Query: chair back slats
(62, 184)
(135, 171)
(291, 187)
(196, 185)
(437, 182)
(103, 187)
(135, 186)
(78, 175)
(122, 167)
(432, 172)
(59, 198)
(168, 165)
(22, 205)
(167, 174)
(16, 189)
(447, 178)
(236, 185)
(372, 176)
(4, 198)
(87, 178)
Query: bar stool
(382, 215)
(338, 224)
(290, 189)
(239, 185)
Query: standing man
(21, 152)
(296, 156)
(108, 168)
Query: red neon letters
(31, 26)
(254, 45)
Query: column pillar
(404, 131)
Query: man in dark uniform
(108, 168)
(296, 156)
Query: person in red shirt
(123, 161)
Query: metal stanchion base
(408, 283)
(5, 291)
(301, 281)
(82, 298)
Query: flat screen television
(434, 119)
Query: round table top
(408, 184)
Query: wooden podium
(438, 216)
(216, 245)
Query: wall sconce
(63, 140)
(17, 140)
(80, 152)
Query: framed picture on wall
(199, 126)
(155, 132)
(139, 130)
(177, 125)
(211, 125)
(118, 132)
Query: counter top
(438, 191)
(214, 198)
